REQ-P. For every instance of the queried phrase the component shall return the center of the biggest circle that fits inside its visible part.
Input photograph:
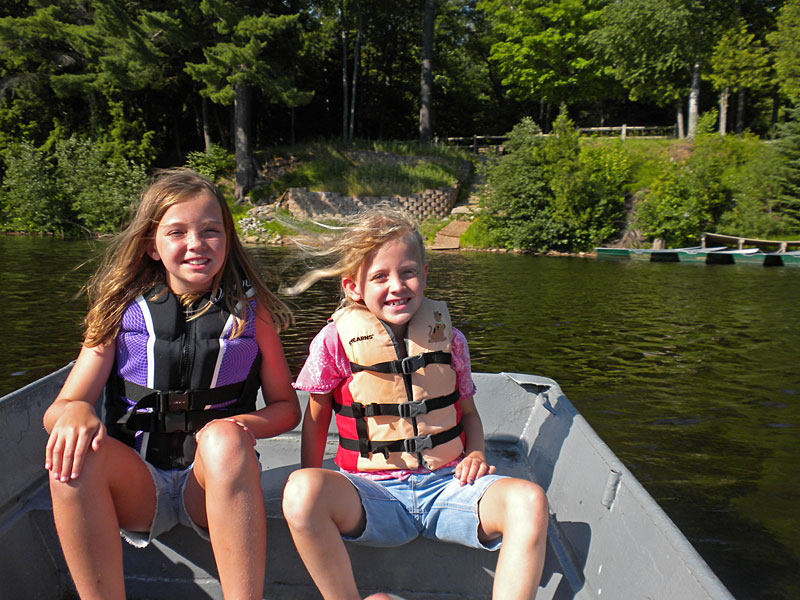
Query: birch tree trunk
(723, 110)
(356, 50)
(344, 70)
(426, 77)
(694, 100)
(679, 120)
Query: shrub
(725, 184)
(480, 235)
(77, 188)
(30, 198)
(672, 211)
(214, 163)
(103, 190)
(549, 193)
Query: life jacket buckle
(408, 410)
(412, 363)
(415, 445)
(173, 401)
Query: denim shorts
(433, 504)
(170, 508)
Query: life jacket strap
(412, 445)
(159, 411)
(406, 410)
(407, 365)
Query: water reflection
(689, 372)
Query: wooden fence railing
(480, 143)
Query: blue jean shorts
(433, 504)
(170, 507)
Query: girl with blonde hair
(411, 457)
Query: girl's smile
(191, 243)
(391, 282)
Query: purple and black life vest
(173, 374)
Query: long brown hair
(126, 269)
(349, 246)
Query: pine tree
(788, 145)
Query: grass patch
(480, 236)
(326, 167)
(430, 227)
(647, 156)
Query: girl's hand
(232, 420)
(472, 467)
(76, 432)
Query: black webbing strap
(406, 365)
(413, 445)
(405, 410)
(171, 422)
(175, 411)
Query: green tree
(102, 190)
(786, 41)
(788, 147)
(658, 47)
(82, 57)
(239, 62)
(469, 97)
(518, 205)
(31, 52)
(738, 62)
(541, 48)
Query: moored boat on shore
(717, 255)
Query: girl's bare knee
(225, 447)
(300, 496)
(92, 478)
(527, 504)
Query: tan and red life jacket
(399, 409)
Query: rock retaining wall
(303, 204)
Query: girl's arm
(474, 464)
(71, 420)
(315, 429)
(282, 410)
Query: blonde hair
(127, 270)
(349, 246)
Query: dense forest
(94, 94)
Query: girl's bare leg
(517, 510)
(224, 494)
(114, 490)
(319, 506)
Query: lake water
(690, 373)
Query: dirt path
(447, 238)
